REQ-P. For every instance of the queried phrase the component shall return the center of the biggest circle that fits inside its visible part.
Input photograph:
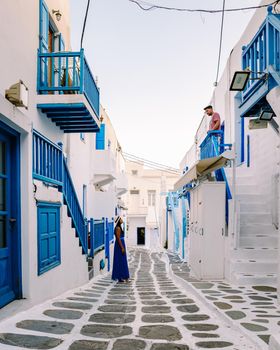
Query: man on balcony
(215, 122)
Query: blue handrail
(47, 160)
(67, 73)
(75, 211)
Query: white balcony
(121, 184)
(104, 168)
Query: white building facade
(250, 168)
(145, 200)
(49, 166)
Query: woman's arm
(118, 238)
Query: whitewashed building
(250, 171)
(145, 200)
(52, 167)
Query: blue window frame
(49, 255)
(100, 138)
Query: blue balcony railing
(212, 145)
(261, 53)
(47, 160)
(67, 73)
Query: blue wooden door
(9, 256)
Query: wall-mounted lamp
(57, 14)
(240, 79)
(17, 94)
(266, 114)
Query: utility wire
(147, 6)
(153, 167)
(84, 25)
(131, 156)
(221, 42)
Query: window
(151, 198)
(134, 172)
(48, 236)
(134, 191)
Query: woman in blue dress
(120, 267)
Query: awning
(204, 167)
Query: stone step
(255, 253)
(253, 198)
(252, 217)
(260, 241)
(257, 266)
(250, 279)
(252, 229)
(246, 189)
(254, 207)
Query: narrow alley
(151, 312)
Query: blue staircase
(50, 166)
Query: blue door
(10, 283)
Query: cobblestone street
(151, 312)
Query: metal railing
(50, 166)
(67, 73)
(74, 209)
(47, 160)
(212, 145)
(263, 51)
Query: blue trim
(242, 140)
(54, 260)
(14, 202)
(100, 138)
(248, 151)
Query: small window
(48, 236)
(151, 198)
(134, 192)
(134, 172)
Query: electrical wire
(141, 4)
(84, 25)
(221, 42)
(153, 167)
(149, 163)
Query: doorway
(10, 252)
(141, 235)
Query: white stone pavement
(156, 311)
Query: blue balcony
(213, 144)
(68, 93)
(262, 57)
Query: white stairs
(255, 260)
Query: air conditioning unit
(17, 94)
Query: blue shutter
(44, 26)
(48, 236)
(61, 43)
(100, 137)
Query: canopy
(203, 167)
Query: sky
(156, 69)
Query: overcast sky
(156, 69)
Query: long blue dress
(120, 266)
